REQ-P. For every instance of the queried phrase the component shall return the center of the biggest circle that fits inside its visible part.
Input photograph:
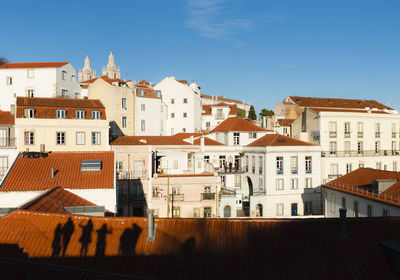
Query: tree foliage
(241, 113)
(252, 113)
(266, 113)
(3, 60)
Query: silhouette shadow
(188, 247)
(128, 240)
(56, 245)
(86, 237)
(101, 240)
(66, 232)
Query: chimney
(342, 231)
(52, 172)
(151, 228)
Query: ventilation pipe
(52, 172)
(151, 227)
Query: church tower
(111, 70)
(86, 73)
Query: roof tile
(15, 65)
(237, 124)
(6, 118)
(337, 103)
(278, 140)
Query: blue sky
(256, 51)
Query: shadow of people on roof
(86, 237)
(101, 240)
(66, 232)
(56, 245)
(128, 240)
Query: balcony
(364, 153)
(8, 143)
(332, 134)
(253, 169)
(360, 134)
(177, 197)
(308, 171)
(207, 196)
(294, 171)
(233, 169)
(347, 135)
(377, 134)
(260, 171)
(393, 134)
(279, 172)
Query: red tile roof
(148, 140)
(237, 124)
(144, 82)
(55, 200)
(359, 182)
(46, 107)
(285, 122)
(6, 118)
(106, 79)
(346, 110)
(222, 98)
(208, 142)
(337, 103)
(207, 108)
(33, 65)
(182, 81)
(278, 140)
(32, 244)
(184, 135)
(34, 174)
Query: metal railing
(207, 196)
(8, 143)
(332, 134)
(356, 153)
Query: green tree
(3, 60)
(266, 113)
(252, 113)
(241, 113)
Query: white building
(364, 192)
(184, 105)
(8, 142)
(241, 105)
(37, 79)
(150, 111)
(214, 114)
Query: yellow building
(60, 124)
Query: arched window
(227, 211)
(259, 210)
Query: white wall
(101, 197)
(152, 116)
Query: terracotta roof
(106, 79)
(32, 245)
(208, 142)
(148, 140)
(278, 140)
(346, 110)
(6, 118)
(207, 108)
(33, 65)
(222, 98)
(184, 135)
(34, 174)
(149, 93)
(285, 122)
(337, 103)
(237, 124)
(360, 181)
(204, 174)
(144, 82)
(55, 200)
(46, 107)
(182, 81)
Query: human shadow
(101, 240)
(128, 240)
(188, 247)
(66, 233)
(56, 245)
(86, 237)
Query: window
(143, 107)
(308, 183)
(185, 115)
(207, 158)
(294, 165)
(334, 169)
(60, 114)
(385, 212)
(9, 81)
(332, 129)
(29, 137)
(332, 147)
(3, 165)
(176, 212)
(220, 114)
(29, 113)
(207, 212)
(172, 101)
(252, 135)
(379, 165)
(185, 100)
(260, 183)
(80, 138)
(308, 165)
(60, 138)
(347, 129)
(308, 208)
(360, 147)
(394, 129)
(29, 73)
(360, 129)
(279, 209)
(355, 210)
(172, 115)
(80, 114)
(377, 130)
(259, 210)
(279, 165)
(142, 92)
(227, 211)
(222, 161)
(393, 147)
(369, 210)
(95, 138)
(72, 78)
(260, 164)
(294, 183)
(142, 125)
(183, 129)
(236, 138)
(377, 147)
(30, 93)
(64, 93)
(156, 191)
(95, 115)
(247, 163)
(238, 181)
(253, 164)
(63, 75)
(123, 122)
(138, 169)
(347, 147)
(208, 124)
(349, 167)
(223, 180)
(279, 184)
(123, 103)
(361, 164)
(196, 212)
(175, 164)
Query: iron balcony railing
(8, 143)
(207, 196)
(356, 153)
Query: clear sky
(253, 50)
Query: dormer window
(142, 92)
(95, 115)
(29, 113)
(60, 113)
(80, 114)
